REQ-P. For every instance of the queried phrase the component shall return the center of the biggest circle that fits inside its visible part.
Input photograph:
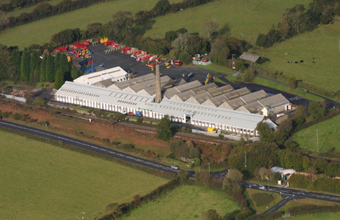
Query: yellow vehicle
(207, 79)
(212, 130)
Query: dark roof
(250, 57)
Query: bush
(4, 114)
(220, 136)
(128, 146)
(139, 121)
(262, 199)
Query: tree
(316, 110)
(161, 8)
(196, 44)
(264, 131)
(16, 60)
(74, 72)
(181, 41)
(49, 70)
(34, 64)
(43, 69)
(59, 79)
(183, 175)
(320, 165)
(261, 40)
(299, 115)
(43, 9)
(64, 65)
(39, 102)
(292, 82)
(286, 127)
(57, 62)
(234, 175)
(208, 28)
(164, 129)
(263, 173)
(305, 162)
(25, 66)
(121, 25)
(210, 214)
(170, 36)
(4, 18)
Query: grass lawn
(328, 216)
(30, 9)
(40, 180)
(243, 16)
(322, 44)
(79, 108)
(261, 208)
(329, 136)
(40, 32)
(286, 89)
(185, 202)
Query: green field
(30, 9)
(322, 44)
(184, 202)
(326, 216)
(243, 16)
(40, 32)
(329, 136)
(41, 181)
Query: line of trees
(43, 10)
(27, 66)
(298, 19)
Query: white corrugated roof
(91, 78)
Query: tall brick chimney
(158, 85)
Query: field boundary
(148, 170)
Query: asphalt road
(289, 194)
(89, 146)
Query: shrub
(4, 114)
(17, 116)
(220, 136)
(262, 199)
(139, 121)
(128, 146)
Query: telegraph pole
(339, 43)
(317, 140)
(245, 159)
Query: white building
(199, 115)
(116, 74)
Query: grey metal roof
(200, 98)
(252, 97)
(139, 79)
(198, 90)
(104, 83)
(273, 101)
(112, 73)
(237, 93)
(148, 83)
(181, 88)
(151, 90)
(249, 57)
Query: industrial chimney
(158, 85)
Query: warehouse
(169, 93)
(151, 90)
(121, 101)
(243, 100)
(219, 100)
(115, 74)
(183, 96)
(202, 97)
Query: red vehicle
(177, 63)
(131, 114)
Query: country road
(289, 194)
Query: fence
(231, 137)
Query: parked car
(131, 114)
(184, 74)
(262, 187)
(191, 74)
(174, 167)
(123, 112)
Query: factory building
(224, 108)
